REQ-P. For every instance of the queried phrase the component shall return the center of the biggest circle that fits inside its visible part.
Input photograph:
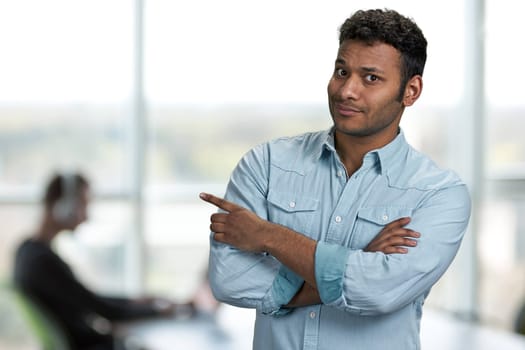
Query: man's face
(364, 89)
(80, 210)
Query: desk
(440, 331)
(232, 329)
(229, 329)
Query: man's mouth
(347, 110)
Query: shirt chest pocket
(292, 210)
(370, 221)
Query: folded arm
(370, 284)
(238, 227)
(353, 280)
(237, 277)
(393, 238)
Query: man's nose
(351, 88)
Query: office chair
(45, 328)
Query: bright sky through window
(208, 52)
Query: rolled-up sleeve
(374, 283)
(330, 265)
(284, 287)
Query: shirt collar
(329, 143)
(391, 153)
(385, 157)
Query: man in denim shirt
(336, 237)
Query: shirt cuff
(330, 264)
(284, 287)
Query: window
(65, 105)
(502, 232)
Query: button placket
(311, 332)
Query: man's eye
(371, 77)
(340, 72)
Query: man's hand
(238, 226)
(393, 238)
(246, 231)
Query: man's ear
(412, 90)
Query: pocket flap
(383, 215)
(292, 202)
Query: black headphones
(65, 208)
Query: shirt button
(292, 204)
(312, 314)
(385, 217)
(338, 218)
(339, 173)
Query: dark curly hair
(389, 27)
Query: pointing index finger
(218, 202)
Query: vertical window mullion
(135, 260)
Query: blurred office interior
(156, 101)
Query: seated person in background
(45, 278)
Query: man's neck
(46, 232)
(352, 149)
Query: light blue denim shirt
(369, 300)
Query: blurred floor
(232, 329)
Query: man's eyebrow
(372, 70)
(364, 68)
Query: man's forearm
(243, 229)
(307, 295)
(293, 250)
